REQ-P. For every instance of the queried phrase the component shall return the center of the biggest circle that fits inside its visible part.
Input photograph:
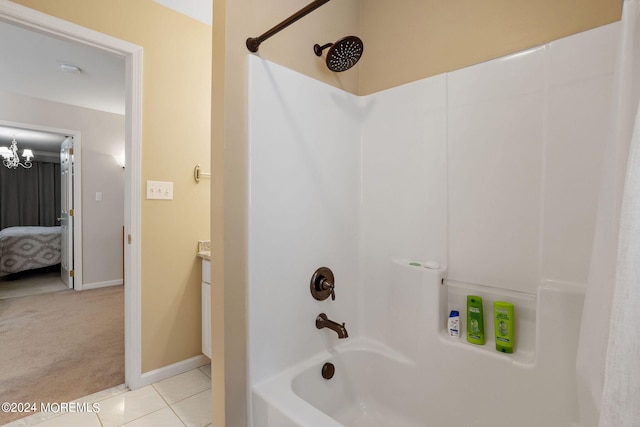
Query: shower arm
(253, 43)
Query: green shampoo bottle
(475, 320)
(503, 321)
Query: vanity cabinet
(206, 308)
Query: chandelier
(11, 159)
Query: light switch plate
(160, 190)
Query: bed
(28, 248)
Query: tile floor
(183, 400)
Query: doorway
(46, 186)
(132, 54)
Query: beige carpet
(60, 346)
(32, 282)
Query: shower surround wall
(491, 170)
(304, 200)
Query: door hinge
(129, 239)
(71, 151)
(70, 212)
(70, 273)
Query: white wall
(491, 170)
(579, 108)
(404, 199)
(304, 157)
(525, 138)
(102, 136)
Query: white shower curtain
(607, 362)
(621, 394)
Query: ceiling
(37, 65)
(202, 10)
(36, 140)
(41, 66)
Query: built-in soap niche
(524, 320)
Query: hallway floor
(180, 401)
(32, 282)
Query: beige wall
(175, 137)
(408, 40)
(405, 40)
(293, 47)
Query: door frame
(38, 21)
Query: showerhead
(342, 54)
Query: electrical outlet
(160, 190)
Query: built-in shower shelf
(524, 322)
(519, 357)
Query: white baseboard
(172, 370)
(97, 285)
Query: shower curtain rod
(253, 43)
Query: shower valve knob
(333, 294)
(322, 284)
(328, 286)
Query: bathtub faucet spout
(322, 321)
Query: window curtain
(30, 197)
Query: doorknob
(60, 219)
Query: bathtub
(359, 394)
(414, 375)
(374, 389)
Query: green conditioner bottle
(503, 321)
(475, 320)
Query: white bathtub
(359, 394)
(371, 389)
(413, 375)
